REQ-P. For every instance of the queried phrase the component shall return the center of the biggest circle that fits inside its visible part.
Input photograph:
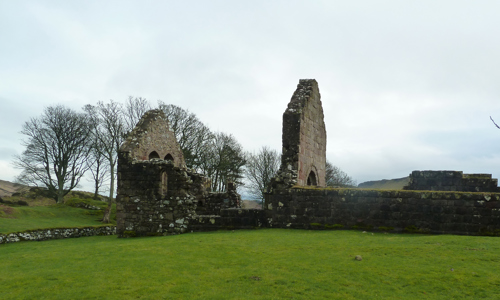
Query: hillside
(386, 184)
(8, 188)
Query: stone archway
(153, 154)
(312, 179)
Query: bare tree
(109, 132)
(192, 135)
(259, 170)
(334, 176)
(223, 161)
(494, 122)
(135, 108)
(56, 151)
(98, 166)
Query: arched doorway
(311, 179)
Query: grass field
(258, 264)
(20, 218)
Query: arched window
(169, 157)
(311, 180)
(164, 184)
(153, 154)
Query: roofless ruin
(158, 195)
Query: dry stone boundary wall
(56, 233)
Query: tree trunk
(107, 212)
(96, 180)
(96, 192)
(60, 198)
(60, 192)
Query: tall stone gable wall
(304, 137)
(153, 133)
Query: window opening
(164, 184)
(311, 180)
(153, 154)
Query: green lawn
(39, 217)
(258, 264)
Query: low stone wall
(414, 211)
(452, 181)
(233, 218)
(56, 233)
(214, 202)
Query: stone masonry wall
(213, 203)
(56, 233)
(158, 196)
(304, 138)
(155, 197)
(451, 181)
(153, 133)
(232, 218)
(419, 211)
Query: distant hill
(386, 184)
(8, 188)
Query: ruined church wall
(419, 211)
(213, 203)
(304, 134)
(232, 218)
(312, 151)
(155, 197)
(452, 181)
(153, 133)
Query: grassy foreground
(20, 218)
(259, 264)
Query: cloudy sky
(405, 85)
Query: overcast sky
(405, 85)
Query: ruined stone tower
(304, 139)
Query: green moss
(383, 228)
(415, 229)
(334, 226)
(362, 226)
(154, 234)
(128, 233)
(326, 226)
(485, 232)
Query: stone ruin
(303, 160)
(451, 181)
(158, 195)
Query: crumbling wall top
(303, 160)
(152, 138)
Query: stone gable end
(153, 138)
(303, 161)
